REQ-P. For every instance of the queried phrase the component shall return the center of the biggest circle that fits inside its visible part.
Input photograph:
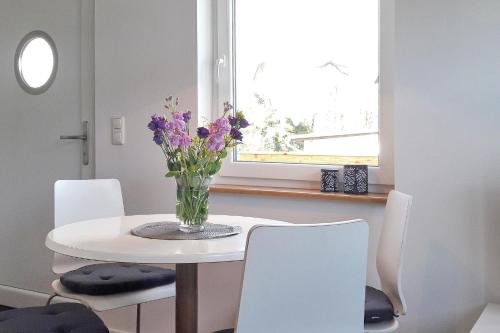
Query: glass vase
(192, 202)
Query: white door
(32, 155)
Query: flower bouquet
(194, 160)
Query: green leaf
(173, 166)
(192, 158)
(223, 153)
(215, 168)
(172, 173)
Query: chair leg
(138, 320)
(50, 299)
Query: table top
(109, 239)
(489, 321)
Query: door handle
(73, 137)
(85, 141)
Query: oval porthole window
(35, 62)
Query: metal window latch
(85, 141)
(220, 63)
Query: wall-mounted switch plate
(118, 131)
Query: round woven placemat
(170, 231)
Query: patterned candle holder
(329, 180)
(356, 179)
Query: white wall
(447, 153)
(447, 150)
(145, 50)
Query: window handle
(221, 62)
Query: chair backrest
(77, 200)
(304, 278)
(391, 246)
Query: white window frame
(234, 172)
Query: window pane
(307, 80)
(36, 62)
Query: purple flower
(158, 140)
(157, 123)
(179, 125)
(244, 123)
(215, 143)
(152, 125)
(174, 140)
(184, 139)
(217, 132)
(178, 122)
(177, 116)
(238, 122)
(175, 125)
(158, 137)
(233, 121)
(203, 132)
(235, 134)
(186, 116)
(220, 127)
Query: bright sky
(294, 40)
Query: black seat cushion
(378, 307)
(56, 318)
(114, 278)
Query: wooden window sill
(380, 198)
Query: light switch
(117, 123)
(118, 130)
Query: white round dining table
(110, 239)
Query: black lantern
(329, 180)
(356, 179)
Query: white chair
(304, 278)
(390, 259)
(77, 200)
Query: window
(36, 62)
(310, 79)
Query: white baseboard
(21, 298)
